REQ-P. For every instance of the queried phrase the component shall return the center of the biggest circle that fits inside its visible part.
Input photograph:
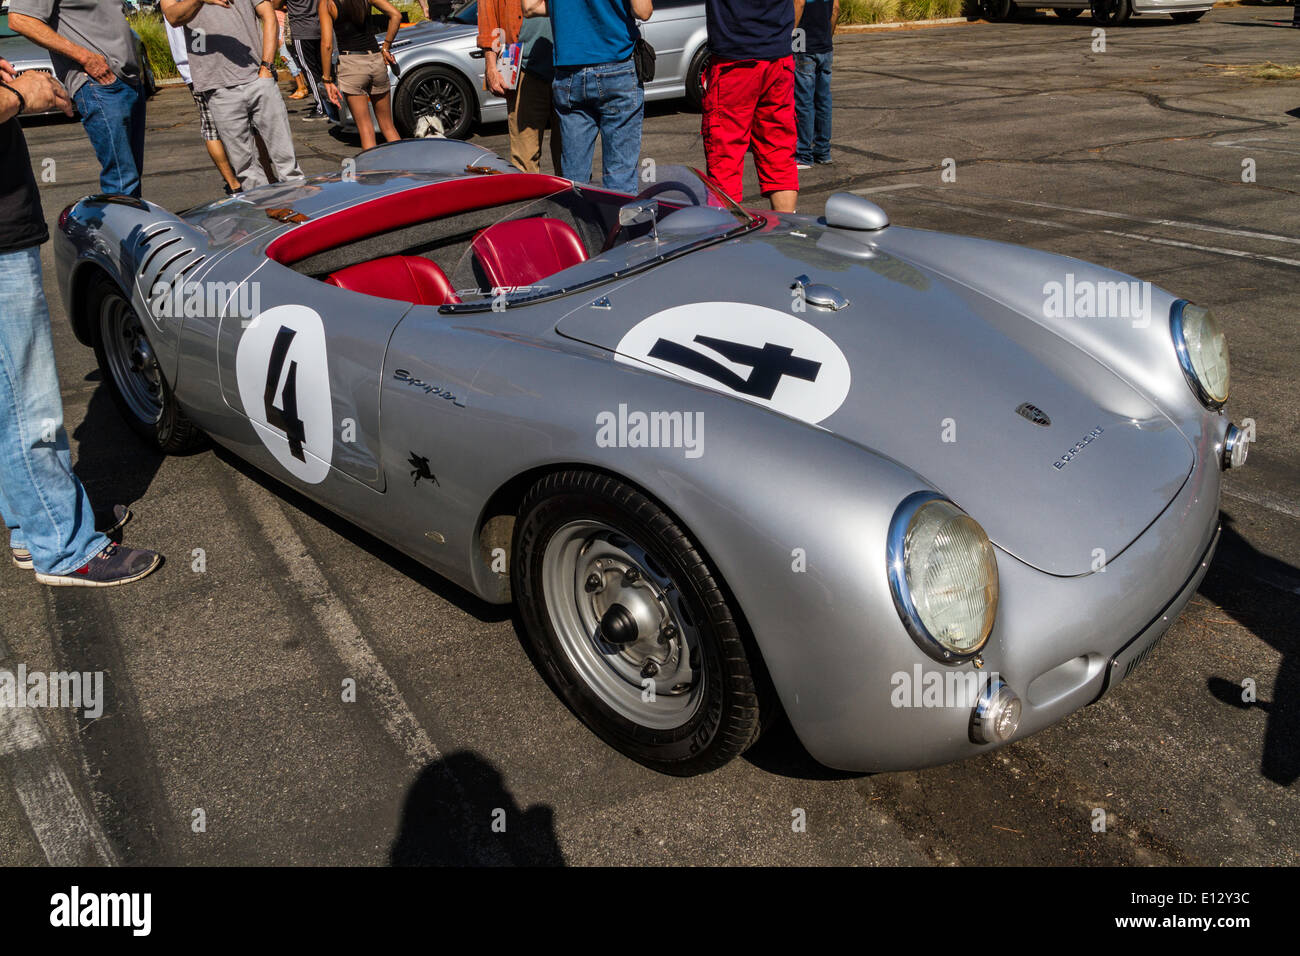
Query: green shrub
(886, 11)
(149, 27)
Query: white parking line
(68, 834)
(336, 623)
(359, 659)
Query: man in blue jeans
(95, 57)
(51, 524)
(596, 89)
(815, 22)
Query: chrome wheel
(131, 360)
(623, 624)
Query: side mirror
(638, 211)
(849, 211)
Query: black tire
(1187, 16)
(999, 10)
(733, 696)
(170, 432)
(1112, 13)
(695, 78)
(441, 87)
(1067, 13)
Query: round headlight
(943, 575)
(1202, 352)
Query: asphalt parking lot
(224, 739)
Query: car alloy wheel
(1111, 13)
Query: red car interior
(404, 278)
(408, 208)
(519, 252)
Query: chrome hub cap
(623, 624)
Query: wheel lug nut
(650, 668)
(631, 576)
(668, 633)
(594, 582)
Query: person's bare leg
(784, 200)
(217, 153)
(383, 105)
(360, 107)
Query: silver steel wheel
(131, 359)
(622, 621)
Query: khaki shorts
(363, 74)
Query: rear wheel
(632, 626)
(1187, 16)
(999, 9)
(131, 371)
(1112, 13)
(437, 92)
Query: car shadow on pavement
(112, 462)
(430, 580)
(1260, 592)
(459, 813)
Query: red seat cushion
(404, 278)
(521, 251)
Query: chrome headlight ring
(901, 590)
(1177, 330)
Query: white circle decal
(284, 383)
(762, 355)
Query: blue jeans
(41, 501)
(606, 99)
(812, 101)
(113, 116)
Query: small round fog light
(1235, 448)
(996, 716)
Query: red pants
(749, 106)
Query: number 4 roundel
(284, 385)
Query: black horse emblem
(420, 469)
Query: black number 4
(284, 418)
(768, 365)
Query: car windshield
(586, 235)
(465, 13)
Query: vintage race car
(927, 494)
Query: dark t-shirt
(304, 19)
(816, 26)
(22, 223)
(749, 29)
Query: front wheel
(999, 10)
(1187, 16)
(632, 626)
(438, 94)
(1112, 13)
(134, 378)
(695, 78)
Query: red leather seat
(521, 251)
(411, 279)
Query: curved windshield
(465, 13)
(586, 235)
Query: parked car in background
(1111, 13)
(439, 71)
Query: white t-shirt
(176, 40)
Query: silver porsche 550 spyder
(928, 494)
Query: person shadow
(459, 813)
(1261, 593)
